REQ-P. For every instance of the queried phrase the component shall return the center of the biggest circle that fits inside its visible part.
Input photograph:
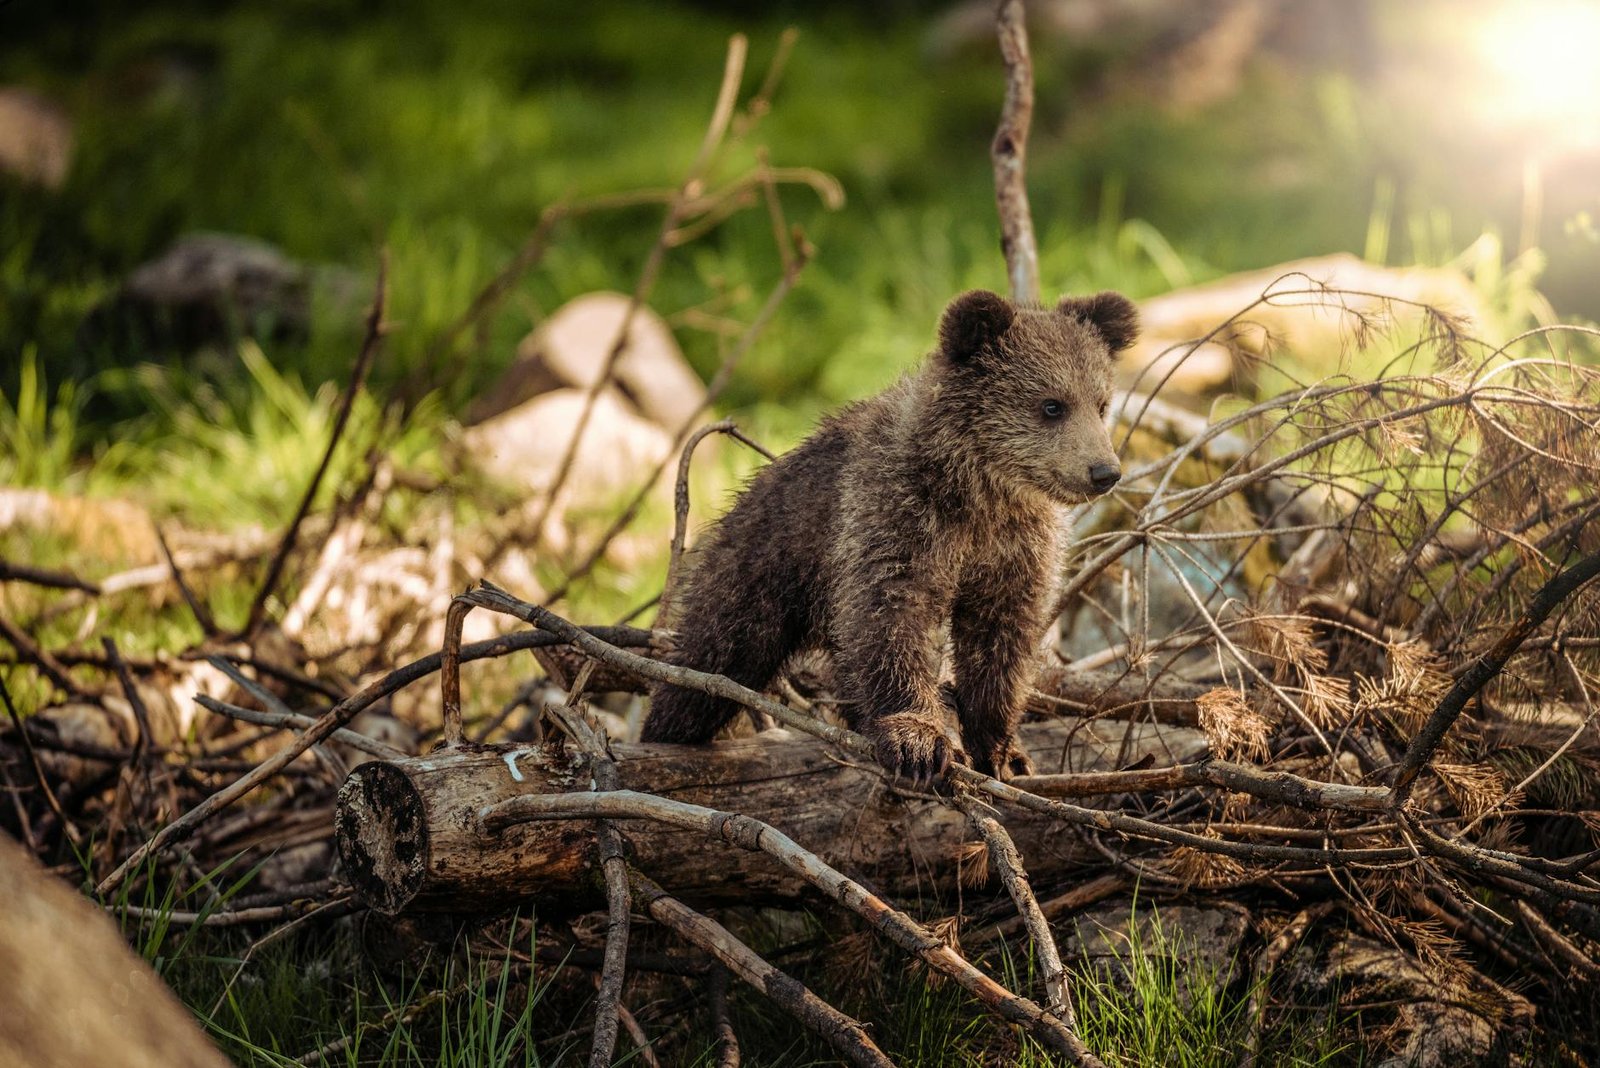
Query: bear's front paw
(1007, 762)
(915, 745)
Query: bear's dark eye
(1053, 409)
(1105, 406)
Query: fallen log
(1116, 693)
(410, 836)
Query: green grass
(1160, 1003)
(462, 1010)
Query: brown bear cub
(939, 501)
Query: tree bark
(409, 834)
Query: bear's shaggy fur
(939, 501)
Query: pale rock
(206, 289)
(1315, 327)
(79, 723)
(523, 447)
(571, 347)
(35, 138)
(1443, 1020)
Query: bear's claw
(915, 746)
(1015, 762)
(1008, 762)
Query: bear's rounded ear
(971, 322)
(1112, 314)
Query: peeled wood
(408, 829)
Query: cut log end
(382, 835)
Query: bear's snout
(1103, 476)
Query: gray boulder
(207, 289)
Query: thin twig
(292, 910)
(1009, 154)
(296, 721)
(38, 576)
(141, 714)
(455, 618)
(197, 607)
(680, 506)
(641, 1041)
(358, 378)
(844, 1034)
(41, 658)
(1008, 862)
(33, 762)
(721, 1020)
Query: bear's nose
(1104, 476)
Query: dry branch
(1009, 154)
(1003, 853)
(750, 834)
(1549, 597)
(31, 652)
(721, 1022)
(38, 576)
(197, 607)
(613, 863)
(844, 1034)
(347, 400)
(680, 504)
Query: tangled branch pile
(1371, 596)
(1335, 654)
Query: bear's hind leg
(746, 638)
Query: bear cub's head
(1033, 385)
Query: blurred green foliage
(440, 132)
(332, 129)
